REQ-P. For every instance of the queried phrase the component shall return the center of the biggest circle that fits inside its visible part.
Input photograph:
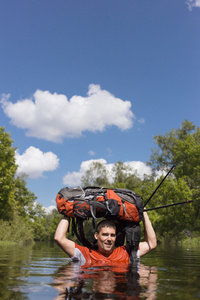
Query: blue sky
(94, 80)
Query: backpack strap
(133, 233)
(81, 235)
(93, 206)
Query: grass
(7, 243)
(194, 241)
(16, 231)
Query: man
(105, 235)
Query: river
(43, 271)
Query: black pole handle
(159, 185)
(167, 205)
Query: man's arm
(60, 237)
(150, 241)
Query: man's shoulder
(121, 248)
(81, 247)
(85, 250)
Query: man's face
(106, 240)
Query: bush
(18, 230)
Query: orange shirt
(119, 254)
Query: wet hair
(105, 223)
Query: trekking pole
(159, 185)
(167, 205)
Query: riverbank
(7, 243)
(194, 241)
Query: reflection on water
(44, 272)
(116, 281)
(27, 272)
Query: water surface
(44, 272)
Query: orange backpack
(121, 204)
(124, 207)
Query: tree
(24, 199)
(96, 175)
(7, 172)
(21, 217)
(121, 172)
(52, 220)
(37, 219)
(179, 147)
(169, 146)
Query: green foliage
(39, 229)
(21, 218)
(52, 220)
(96, 175)
(121, 172)
(167, 146)
(182, 148)
(18, 231)
(24, 199)
(125, 177)
(188, 241)
(7, 172)
(173, 220)
(37, 218)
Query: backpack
(122, 206)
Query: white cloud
(193, 3)
(50, 208)
(34, 162)
(74, 178)
(53, 117)
(91, 152)
(140, 168)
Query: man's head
(105, 235)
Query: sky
(84, 81)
